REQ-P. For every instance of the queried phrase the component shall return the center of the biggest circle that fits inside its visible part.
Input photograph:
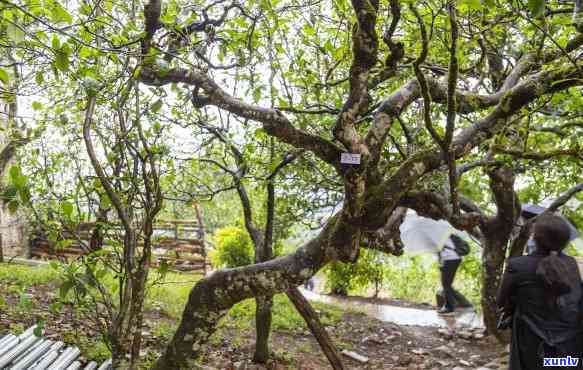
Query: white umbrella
(425, 235)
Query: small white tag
(350, 158)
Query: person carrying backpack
(450, 258)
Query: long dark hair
(551, 234)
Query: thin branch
(565, 197)
(539, 156)
(423, 86)
(97, 166)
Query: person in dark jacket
(543, 292)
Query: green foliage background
(233, 248)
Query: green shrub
(233, 248)
(344, 277)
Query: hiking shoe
(444, 311)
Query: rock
(477, 360)
(442, 351)
(447, 334)
(371, 338)
(420, 352)
(405, 360)
(355, 356)
(478, 336)
(464, 362)
(466, 334)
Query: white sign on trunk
(349, 158)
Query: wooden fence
(178, 243)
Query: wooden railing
(178, 243)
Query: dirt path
(400, 315)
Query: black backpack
(462, 248)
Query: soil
(386, 345)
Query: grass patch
(26, 276)
(285, 316)
(170, 295)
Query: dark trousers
(448, 271)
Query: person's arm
(506, 287)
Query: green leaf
(64, 289)
(61, 14)
(164, 267)
(62, 61)
(13, 206)
(38, 331)
(19, 182)
(14, 172)
(100, 274)
(328, 46)
(309, 30)
(25, 195)
(536, 7)
(36, 105)
(257, 94)
(67, 209)
(14, 33)
(39, 78)
(473, 4)
(4, 77)
(156, 106)
(56, 43)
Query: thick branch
(436, 206)
(387, 238)
(9, 151)
(152, 12)
(507, 202)
(274, 122)
(364, 50)
(451, 109)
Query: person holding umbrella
(424, 235)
